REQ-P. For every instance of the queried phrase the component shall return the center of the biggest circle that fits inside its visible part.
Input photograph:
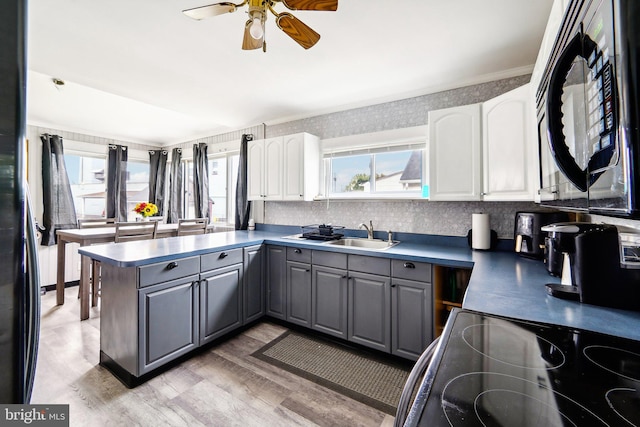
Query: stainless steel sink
(359, 243)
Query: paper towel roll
(481, 235)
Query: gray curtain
(200, 180)
(117, 183)
(157, 174)
(243, 206)
(59, 210)
(175, 203)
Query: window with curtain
(87, 179)
(223, 171)
(137, 185)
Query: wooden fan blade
(209, 11)
(297, 30)
(248, 42)
(329, 5)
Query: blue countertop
(502, 283)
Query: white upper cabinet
(485, 151)
(509, 152)
(283, 168)
(301, 167)
(264, 169)
(455, 153)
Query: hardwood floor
(223, 386)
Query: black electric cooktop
(493, 371)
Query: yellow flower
(146, 209)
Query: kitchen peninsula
(157, 305)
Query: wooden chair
(130, 231)
(96, 222)
(190, 227)
(94, 274)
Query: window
(137, 185)
(387, 172)
(87, 179)
(223, 172)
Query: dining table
(92, 236)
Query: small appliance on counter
(528, 236)
(596, 266)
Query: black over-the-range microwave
(588, 109)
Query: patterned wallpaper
(394, 115)
(412, 216)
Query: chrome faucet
(369, 229)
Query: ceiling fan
(254, 27)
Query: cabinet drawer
(299, 255)
(220, 259)
(368, 264)
(329, 259)
(411, 270)
(168, 270)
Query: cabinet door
(168, 322)
(370, 310)
(411, 318)
(510, 161)
(455, 153)
(293, 182)
(220, 302)
(276, 281)
(329, 300)
(253, 284)
(255, 170)
(273, 169)
(299, 293)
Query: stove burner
(491, 409)
(506, 400)
(625, 402)
(620, 362)
(494, 340)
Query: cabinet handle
(393, 285)
(298, 251)
(409, 265)
(345, 277)
(307, 270)
(223, 255)
(172, 265)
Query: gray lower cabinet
(220, 302)
(329, 300)
(276, 266)
(411, 319)
(168, 325)
(411, 308)
(299, 293)
(370, 310)
(254, 301)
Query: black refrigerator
(19, 280)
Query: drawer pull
(409, 265)
(223, 255)
(172, 265)
(298, 251)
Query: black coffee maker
(587, 257)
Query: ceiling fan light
(256, 29)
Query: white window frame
(406, 139)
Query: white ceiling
(141, 71)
